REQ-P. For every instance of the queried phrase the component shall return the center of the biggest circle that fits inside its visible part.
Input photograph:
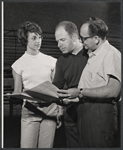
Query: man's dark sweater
(69, 68)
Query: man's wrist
(80, 94)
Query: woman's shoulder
(20, 60)
(47, 57)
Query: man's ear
(97, 40)
(74, 37)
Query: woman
(31, 69)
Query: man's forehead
(60, 29)
(61, 32)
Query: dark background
(48, 15)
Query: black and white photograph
(61, 74)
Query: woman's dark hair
(25, 28)
(97, 27)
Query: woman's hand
(59, 116)
(59, 121)
(7, 95)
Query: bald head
(84, 30)
(96, 26)
(69, 27)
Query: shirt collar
(98, 50)
(77, 52)
(33, 56)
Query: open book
(44, 92)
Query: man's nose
(59, 44)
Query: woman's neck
(31, 51)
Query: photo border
(1, 42)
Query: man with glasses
(99, 88)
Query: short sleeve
(53, 62)
(112, 63)
(17, 67)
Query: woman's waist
(37, 103)
(45, 107)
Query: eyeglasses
(85, 38)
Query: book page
(21, 96)
(44, 91)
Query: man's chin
(64, 52)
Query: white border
(2, 74)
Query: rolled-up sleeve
(112, 63)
